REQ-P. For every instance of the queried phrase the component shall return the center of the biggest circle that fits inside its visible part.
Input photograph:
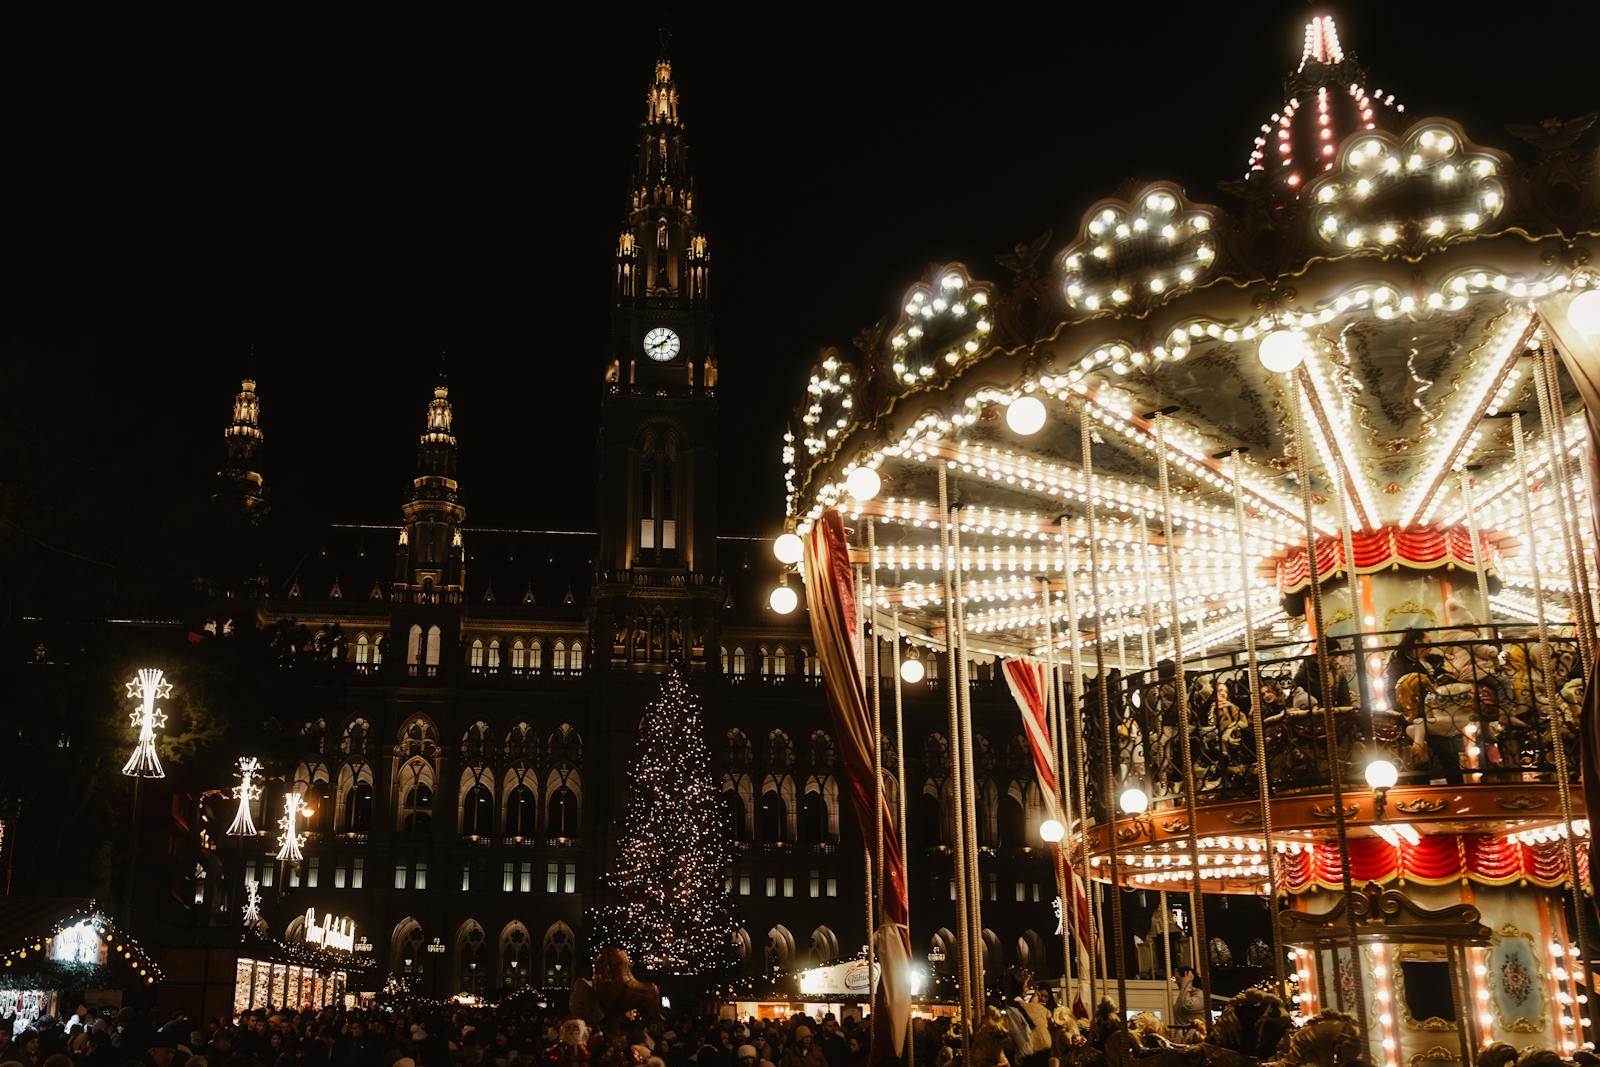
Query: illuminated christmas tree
(668, 907)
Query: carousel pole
(900, 784)
(1480, 572)
(1074, 709)
(1545, 388)
(1197, 896)
(1358, 638)
(1109, 795)
(952, 678)
(1329, 722)
(967, 838)
(1063, 873)
(1558, 743)
(866, 846)
(1257, 720)
(873, 664)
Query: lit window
(772, 887)
(525, 876)
(788, 887)
(466, 877)
(816, 883)
(552, 878)
(422, 876)
(1022, 892)
(508, 877)
(572, 878)
(399, 876)
(356, 872)
(339, 876)
(833, 887)
(744, 883)
(311, 873)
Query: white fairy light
(290, 840)
(246, 793)
(147, 687)
(252, 903)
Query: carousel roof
(1404, 288)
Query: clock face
(661, 344)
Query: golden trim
(1433, 1023)
(1436, 1054)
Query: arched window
(563, 817)
(471, 959)
(414, 645)
(416, 797)
(363, 649)
(477, 812)
(405, 948)
(433, 646)
(575, 663)
(558, 954)
(1013, 821)
(494, 654)
(519, 656)
(476, 660)
(723, 656)
(358, 808)
(738, 661)
(561, 657)
(766, 662)
(780, 662)
(813, 817)
(930, 818)
(774, 816)
(536, 656)
(516, 957)
(520, 810)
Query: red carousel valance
(1422, 547)
(1484, 858)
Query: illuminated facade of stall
(1103, 473)
(56, 952)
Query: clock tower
(657, 587)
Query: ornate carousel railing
(1454, 705)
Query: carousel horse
(1331, 1039)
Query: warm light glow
(1381, 774)
(1026, 415)
(788, 548)
(290, 840)
(1584, 313)
(783, 600)
(1282, 351)
(1052, 831)
(912, 670)
(1134, 801)
(149, 686)
(863, 483)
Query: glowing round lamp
(783, 600)
(912, 670)
(1026, 415)
(863, 483)
(1584, 313)
(1052, 831)
(1381, 774)
(1282, 351)
(788, 548)
(1134, 800)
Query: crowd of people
(446, 1036)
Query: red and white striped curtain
(831, 602)
(1029, 683)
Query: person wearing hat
(803, 1050)
(747, 1056)
(162, 1049)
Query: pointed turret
(241, 472)
(428, 560)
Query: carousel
(1278, 518)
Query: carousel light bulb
(1134, 801)
(783, 600)
(912, 670)
(788, 548)
(863, 483)
(1282, 351)
(1026, 415)
(1584, 313)
(1381, 774)
(1052, 831)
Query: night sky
(329, 205)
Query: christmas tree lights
(246, 793)
(147, 687)
(668, 906)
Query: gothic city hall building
(468, 766)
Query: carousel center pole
(1072, 710)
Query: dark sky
(347, 199)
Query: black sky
(346, 199)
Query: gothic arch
(780, 951)
(353, 800)
(819, 810)
(739, 794)
(994, 957)
(562, 798)
(780, 750)
(418, 737)
(777, 816)
(471, 958)
(405, 947)
(741, 946)
(739, 751)
(415, 796)
(515, 956)
(824, 946)
(475, 802)
(355, 738)
(558, 953)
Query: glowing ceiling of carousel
(1402, 294)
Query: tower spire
(243, 441)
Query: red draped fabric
(831, 603)
(1418, 546)
(1029, 687)
(1485, 858)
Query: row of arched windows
(524, 656)
(481, 965)
(770, 662)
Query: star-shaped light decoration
(147, 687)
(252, 903)
(246, 793)
(289, 840)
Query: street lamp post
(148, 686)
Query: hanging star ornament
(147, 687)
(252, 903)
(246, 793)
(289, 840)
